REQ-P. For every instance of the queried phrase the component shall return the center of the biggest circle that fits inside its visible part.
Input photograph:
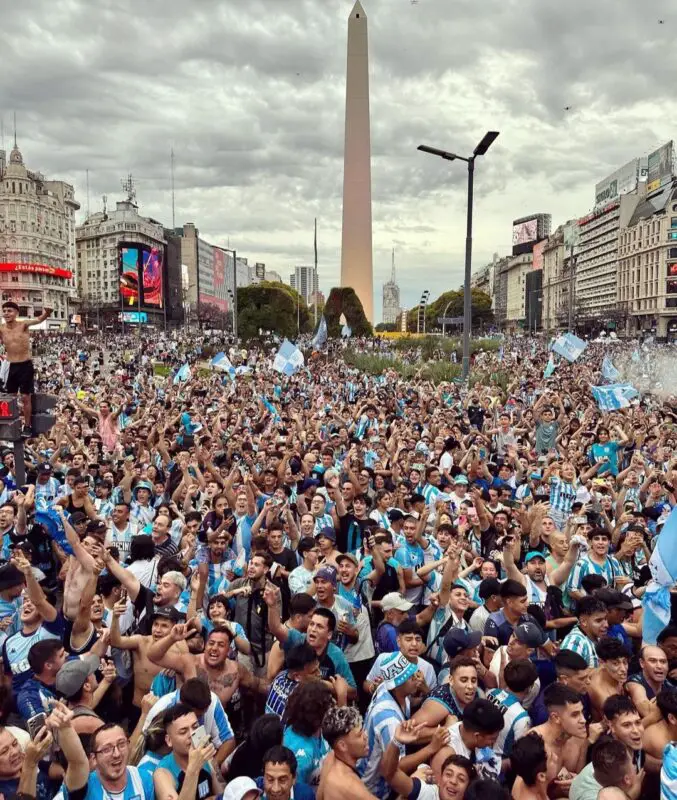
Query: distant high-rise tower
(356, 246)
(391, 297)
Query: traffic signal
(10, 422)
(42, 418)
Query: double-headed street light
(480, 150)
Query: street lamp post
(480, 150)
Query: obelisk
(356, 246)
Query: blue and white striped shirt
(515, 720)
(578, 642)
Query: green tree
(386, 327)
(273, 307)
(343, 300)
(451, 302)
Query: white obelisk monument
(356, 246)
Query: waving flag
(549, 367)
(320, 338)
(222, 362)
(663, 565)
(569, 346)
(270, 407)
(609, 372)
(289, 358)
(183, 374)
(614, 396)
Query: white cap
(393, 601)
(239, 787)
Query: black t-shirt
(351, 532)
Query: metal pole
(467, 296)
(235, 294)
(19, 462)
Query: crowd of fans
(332, 584)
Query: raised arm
(79, 551)
(35, 593)
(130, 582)
(159, 652)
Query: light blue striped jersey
(610, 570)
(515, 719)
(578, 642)
(383, 717)
(562, 495)
(139, 787)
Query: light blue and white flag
(614, 396)
(222, 362)
(320, 338)
(346, 332)
(663, 566)
(609, 372)
(569, 346)
(243, 370)
(270, 407)
(549, 367)
(289, 358)
(183, 374)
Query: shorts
(21, 378)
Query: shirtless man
(658, 735)
(610, 677)
(223, 674)
(163, 620)
(21, 376)
(564, 733)
(343, 731)
(81, 568)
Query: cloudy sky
(250, 94)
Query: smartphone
(482, 452)
(199, 737)
(35, 724)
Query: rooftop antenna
(129, 187)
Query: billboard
(36, 269)
(152, 261)
(539, 247)
(130, 256)
(659, 168)
(133, 317)
(219, 268)
(141, 269)
(524, 232)
(623, 181)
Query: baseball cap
(396, 669)
(393, 601)
(328, 532)
(77, 517)
(349, 557)
(168, 612)
(308, 483)
(326, 574)
(395, 515)
(533, 554)
(96, 526)
(614, 599)
(10, 576)
(73, 674)
(530, 634)
(461, 479)
(240, 787)
(45, 467)
(458, 639)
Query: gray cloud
(250, 96)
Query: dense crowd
(331, 584)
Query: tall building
(98, 244)
(647, 267)
(556, 281)
(209, 272)
(356, 240)
(37, 241)
(391, 297)
(304, 280)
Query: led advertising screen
(152, 264)
(525, 232)
(219, 275)
(659, 168)
(130, 257)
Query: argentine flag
(289, 358)
(549, 367)
(663, 565)
(614, 396)
(183, 374)
(669, 773)
(320, 338)
(569, 346)
(609, 372)
(222, 362)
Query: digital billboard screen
(524, 232)
(130, 256)
(152, 266)
(659, 168)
